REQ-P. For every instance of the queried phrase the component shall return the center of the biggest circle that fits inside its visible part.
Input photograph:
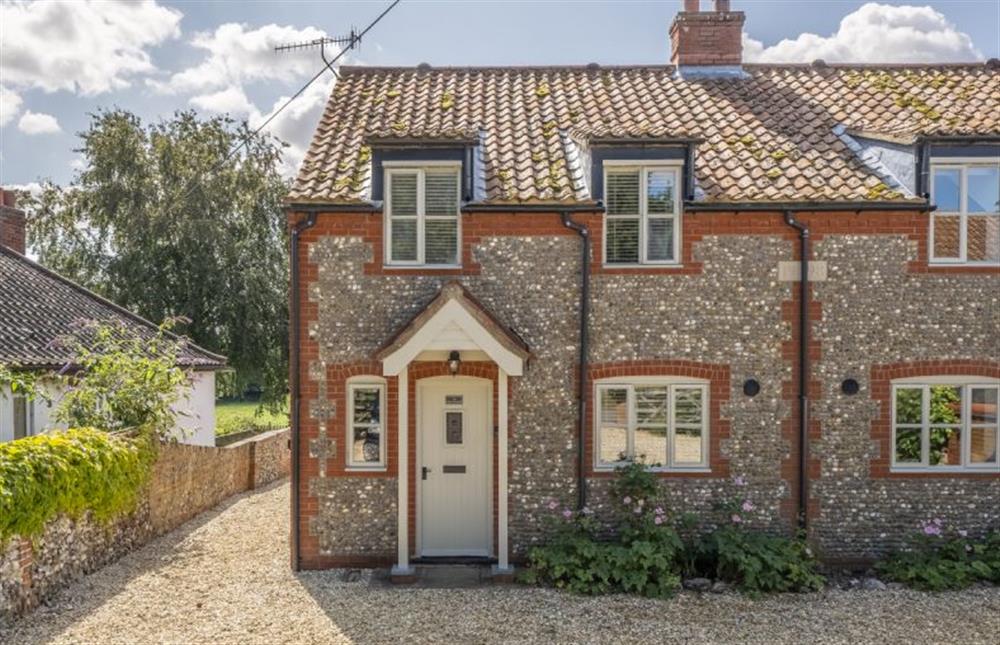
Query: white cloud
(88, 47)
(236, 55)
(875, 33)
(297, 123)
(38, 123)
(10, 105)
(232, 100)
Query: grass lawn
(237, 416)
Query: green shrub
(941, 559)
(642, 559)
(69, 472)
(754, 561)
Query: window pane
(687, 446)
(947, 183)
(366, 405)
(946, 404)
(946, 447)
(623, 241)
(908, 445)
(983, 447)
(660, 239)
(441, 241)
(20, 417)
(946, 236)
(614, 406)
(984, 189)
(403, 199)
(908, 405)
(651, 406)
(441, 193)
(404, 240)
(984, 405)
(651, 445)
(622, 192)
(660, 191)
(366, 447)
(983, 238)
(687, 406)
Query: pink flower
(736, 519)
(658, 519)
(930, 528)
(553, 505)
(627, 500)
(567, 513)
(659, 510)
(739, 481)
(747, 506)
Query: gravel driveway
(224, 578)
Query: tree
(121, 381)
(162, 223)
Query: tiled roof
(38, 307)
(768, 136)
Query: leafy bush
(234, 416)
(753, 561)
(641, 560)
(69, 472)
(941, 559)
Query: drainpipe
(803, 366)
(581, 408)
(293, 380)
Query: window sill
(928, 470)
(421, 267)
(651, 265)
(365, 469)
(609, 470)
(943, 264)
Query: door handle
(423, 472)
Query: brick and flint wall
(728, 314)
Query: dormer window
(965, 228)
(642, 220)
(422, 214)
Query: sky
(60, 62)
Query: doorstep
(450, 576)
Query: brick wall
(185, 482)
(12, 223)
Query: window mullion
(643, 183)
(963, 225)
(671, 426)
(630, 432)
(925, 426)
(421, 218)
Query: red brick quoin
(881, 386)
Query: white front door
(453, 467)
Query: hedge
(69, 472)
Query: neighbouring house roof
(38, 306)
(766, 136)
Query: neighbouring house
(38, 307)
(508, 280)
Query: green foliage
(69, 473)
(236, 416)
(940, 560)
(753, 561)
(21, 382)
(125, 382)
(162, 223)
(640, 560)
(945, 406)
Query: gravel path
(224, 578)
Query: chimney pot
(722, 5)
(692, 6)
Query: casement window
(23, 417)
(662, 423)
(965, 228)
(642, 218)
(945, 424)
(366, 429)
(422, 215)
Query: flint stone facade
(727, 307)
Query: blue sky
(61, 61)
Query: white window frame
(669, 463)
(644, 168)
(366, 383)
(962, 164)
(965, 427)
(392, 168)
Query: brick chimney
(707, 39)
(11, 222)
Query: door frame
(421, 386)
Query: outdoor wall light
(751, 387)
(454, 360)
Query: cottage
(38, 307)
(508, 280)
